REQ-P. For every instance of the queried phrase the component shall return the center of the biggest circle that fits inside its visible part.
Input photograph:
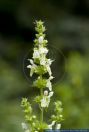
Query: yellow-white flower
(36, 53)
(40, 39)
(49, 62)
(43, 50)
(32, 67)
(43, 60)
(51, 125)
(46, 100)
(50, 94)
(48, 69)
(49, 84)
(40, 53)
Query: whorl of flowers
(40, 65)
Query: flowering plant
(40, 65)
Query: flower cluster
(41, 66)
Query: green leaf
(40, 83)
(40, 70)
(37, 99)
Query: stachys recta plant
(40, 65)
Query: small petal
(45, 101)
(49, 85)
(50, 126)
(42, 60)
(53, 122)
(43, 50)
(49, 70)
(31, 71)
(49, 61)
(51, 77)
(29, 66)
(51, 94)
(31, 61)
(36, 54)
(40, 40)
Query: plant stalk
(42, 110)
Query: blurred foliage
(68, 30)
(74, 92)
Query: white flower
(49, 69)
(32, 67)
(43, 60)
(40, 39)
(58, 126)
(36, 54)
(51, 77)
(24, 126)
(45, 101)
(53, 122)
(29, 66)
(50, 126)
(49, 85)
(50, 94)
(49, 62)
(43, 50)
(31, 61)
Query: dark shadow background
(67, 23)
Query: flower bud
(45, 92)
(40, 39)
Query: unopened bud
(40, 39)
(45, 92)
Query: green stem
(42, 110)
